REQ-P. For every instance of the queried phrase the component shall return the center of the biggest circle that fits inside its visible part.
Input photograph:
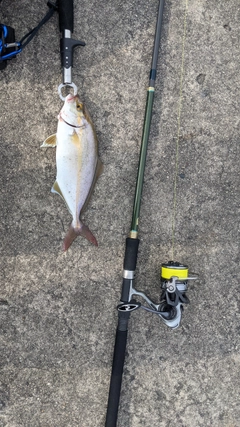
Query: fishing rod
(174, 275)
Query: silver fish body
(78, 165)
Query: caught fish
(78, 165)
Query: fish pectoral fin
(75, 138)
(51, 141)
(98, 171)
(57, 190)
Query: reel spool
(172, 269)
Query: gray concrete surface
(57, 311)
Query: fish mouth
(70, 97)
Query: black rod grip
(116, 378)
(131, 252)
(65, 9)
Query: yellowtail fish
(78, 165)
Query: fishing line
(178, 129)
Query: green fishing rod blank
(146, 125)
(142, 162)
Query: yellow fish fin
(51, 141)
(75, 139)
(98, 171)
(57, 190)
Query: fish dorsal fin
(51, 141)
(57, 190)
(98, 171)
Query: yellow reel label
(168, 272)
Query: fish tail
(73, 233)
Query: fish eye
(79, 107)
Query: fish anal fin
(98, 171)
(57, 190)
(51, 141)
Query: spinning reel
(174, 285)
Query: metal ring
(62, 85)
(128, 274)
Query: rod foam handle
(131, 252)
(116, 378)
(65, 9)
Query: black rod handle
(131, 253)
(117, 371)
(65, 9)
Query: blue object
(7, 34)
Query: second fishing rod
(174, 275)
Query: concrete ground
(58, 312)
